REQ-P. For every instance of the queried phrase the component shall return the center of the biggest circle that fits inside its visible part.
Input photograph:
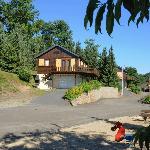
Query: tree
(17, 11)
(15, 50)
(113, 78)
(78, 49)
(18, 48)
(91, 53)
(103, 67)
(133, 74)
(138, 9)
(108, 68)
(57, 33)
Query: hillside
(10, 83)
(14, 92)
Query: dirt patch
(23, 97)
(96, 135)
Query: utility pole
(122, 83)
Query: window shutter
(41, 62)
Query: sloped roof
(59, 47)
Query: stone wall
(95, 95)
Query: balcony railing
(85, 70)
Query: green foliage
(24, 74)
(17, 11)
(78, 50)
(146, 99)
(142, 136)
(135, 89)
(84, 87)
(9, 82)
(91, 53)
(133, 77)
(138, 9)
(57, 33)
(23, 35)
(108, 69)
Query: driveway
(52, 112)
(51, 98)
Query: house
(58, 67)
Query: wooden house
(58, 67)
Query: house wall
(43, 82)
(54, 56)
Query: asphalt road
(52, 112)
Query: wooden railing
(47, 70)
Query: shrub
(84, 87)
(24, 74)
(142, 136)
(73, 93)
(135, 89)
(147, 100)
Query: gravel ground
(95, 135)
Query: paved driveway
(51, 98)
(51, 112)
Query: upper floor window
(41, 62)
(46, 62)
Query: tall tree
(108, 68)
(103, 67)
(91, 53)
(17, 11)
(132, 73)
(112, 69)
(78, 49)
(58, 33)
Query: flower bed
(85, 87)
(89, 92)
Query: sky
(131, 44)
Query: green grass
(147, 99)
(9, 82)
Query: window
(41, 62)
(46, 62)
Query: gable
(56, 50)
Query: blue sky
(131, 45)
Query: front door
(65, 65)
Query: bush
(84, 87)
(147, 100)
(142, 136)
(135, 89)
(24, 74)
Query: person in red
(121, 132)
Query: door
(65, 65)
(64, 81)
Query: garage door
(64, 81)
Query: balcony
(67, 70)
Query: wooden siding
(55, 57)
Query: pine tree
(78, 49)
(103, 67)
(112, 69)
(108, 69)
(91, 53)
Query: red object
(121, 132)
